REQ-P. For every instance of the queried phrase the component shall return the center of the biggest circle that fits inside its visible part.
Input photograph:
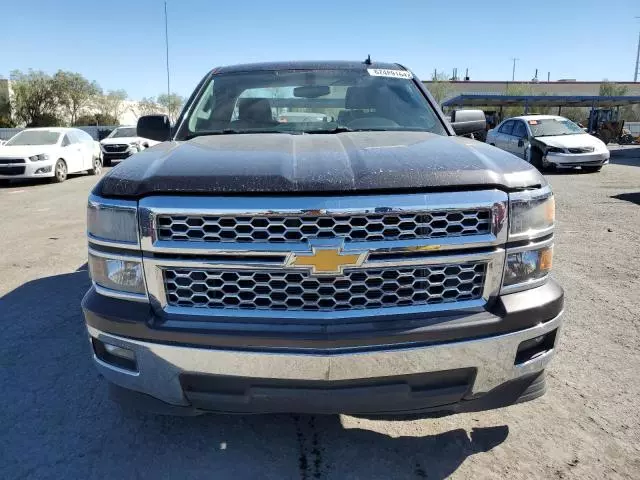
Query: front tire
(97, 167)
(106, 162)
(60, 171)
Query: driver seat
(255, 112)
(359, 103)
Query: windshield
(548, 127)
(310, 101)
(34, 137)
(123, 132)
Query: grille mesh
(116, 148)
(366, 227)
(355, 289)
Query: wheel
(592, 169)
(625, 139)
(97, 167)
(106, 162)
(60, 171)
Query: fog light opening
(535, 347)
(114, 355)
(44, 170)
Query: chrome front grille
(355, 289)
(259, 257)
(351, 228)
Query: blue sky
(120, 43)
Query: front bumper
(471, 371)
(44, 168)
(116, 155)
(577, 159)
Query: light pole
(166, 38)
(513, 72)
(635, 72)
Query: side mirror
(465, 122)
(521, 142)
(154, 127)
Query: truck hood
(316, 164)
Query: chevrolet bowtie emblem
(326, 261)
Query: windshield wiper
(228, 131)
(332, 130)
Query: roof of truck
(306, 65)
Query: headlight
(37, 158)
(555, 150)
(532, 214)
(117, 273)
(112, 220)
(527, 268)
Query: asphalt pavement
(56, 420)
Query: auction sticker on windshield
(384, 72)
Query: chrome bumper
(160, 366)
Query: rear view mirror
(154, 127)
(311, 91)
(465, 122)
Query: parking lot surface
(56, 420)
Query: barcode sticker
(385, 72)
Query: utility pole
(635, 74)
(166, 38)
(513, 73)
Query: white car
(122, 143)
(48, 153)
(550, 141)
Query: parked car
(121, 143)
(550, 141)
(374, 264)
(48, 153)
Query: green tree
(440, 87)
(611, 89)
(110, 105)
(148, 106)
(172, 103)
(75, 93)
(35, 99)
(96, 119)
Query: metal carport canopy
(483, 100)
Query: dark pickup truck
(361, 259)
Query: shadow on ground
(633, 197)
(626, 156)
(30, 182)
(58, 422)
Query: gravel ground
(57, 422)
